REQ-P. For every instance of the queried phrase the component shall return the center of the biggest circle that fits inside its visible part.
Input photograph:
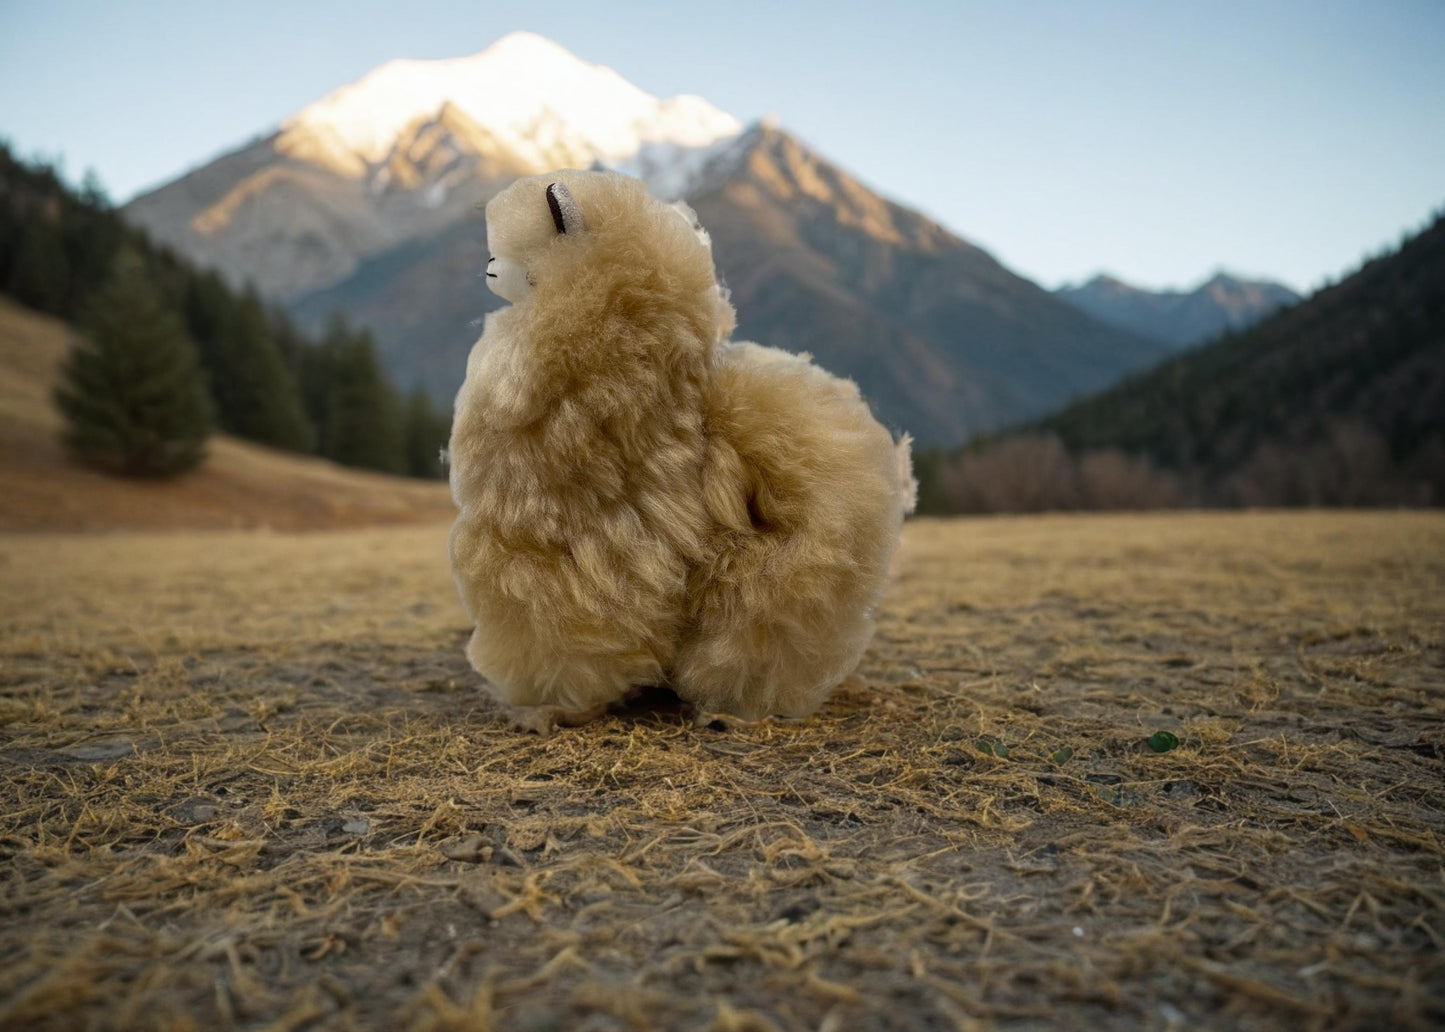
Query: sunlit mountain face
(414, 146)
(369, 201)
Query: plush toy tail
(907, 482)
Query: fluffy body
(641, 503)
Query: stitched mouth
(492, 275)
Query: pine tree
(91, 235)
(41, 274)
(289, 340)
(256, 395)
(427, 431)
(311, 365)
(132, 390)
(205, 309)
(364, 424)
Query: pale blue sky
(1156, 140)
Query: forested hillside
(268, 382)
(1339, 400)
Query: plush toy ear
(566, 216)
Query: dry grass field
(249, 782)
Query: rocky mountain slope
(1181, 318)
(410, 150)
(368, 202)
(946, 340)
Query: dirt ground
(249, 782)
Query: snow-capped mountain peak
(543, 103)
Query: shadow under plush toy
(641, 502)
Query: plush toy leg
(526, 677)
(739, 664)
(543, 720)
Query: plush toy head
(518, 239)
(587, 240)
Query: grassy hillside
(250, 783)
(240, 485)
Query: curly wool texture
(642, 505)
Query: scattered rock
(527, 835)
(1182, 791)
(798, 909)
(234, 720)
(196, 810)
(99, 750)
(471, 849)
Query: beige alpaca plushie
(641, 503)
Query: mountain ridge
(944, 339)
(1221, 303)
(544, 102)
(969, 328)
(323, 176)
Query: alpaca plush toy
(641, 502)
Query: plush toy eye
(566, 216)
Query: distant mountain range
(1180, 318)
(1339, 400)
(368, 202)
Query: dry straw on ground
(249, 782)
